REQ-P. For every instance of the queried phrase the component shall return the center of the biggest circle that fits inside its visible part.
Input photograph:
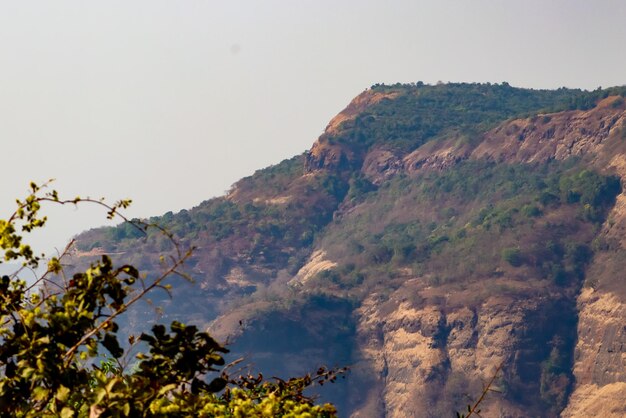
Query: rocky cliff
(431, 234)
(418, 348)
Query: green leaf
(100, 394)
(40, 393)
(27, 372)
(62, 394)
(167, 388)
(66, 412)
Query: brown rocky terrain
(405, 345)
(430, 235)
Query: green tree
(55, 332)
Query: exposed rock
(597, 401)
(381, 164)
(325, 155)
(280, 200)
(601, 348)
(316, 264)
(437, 155)
(600, 357)
(419, 355)
(423, 356)
(357, 106)
(555, 136)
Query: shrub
(513, 256)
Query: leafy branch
(53, 332)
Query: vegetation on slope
(474, 230)
(421, 112)
(265, 227)
(477, 231)
(481, 213)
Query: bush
(531, 211)
(513, 256)
(54, 332)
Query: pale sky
(170, 102)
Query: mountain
(431, 233)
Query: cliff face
(326, 153)
(431, 234)
(600, 355)
(418, 349)
(600, 364)
(426, 358)
(414, 350)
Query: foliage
(263, 230)
(555, 384)
(593, 191)
(358, 188)
(272, 217)
(513, 256)
(482, 213)
(272, 179)
(421, 112)
(53, 332)
(586, 100)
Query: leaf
(167, 388)
(100, 394)
(110, 343)
(147, 338)
(66, 412)
(54, 266)
(40, 393)
(27, 372)
(111, 385)
(62, 394)
(216, 385)
(131, 271)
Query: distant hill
(431, 233)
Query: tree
(55, 333)
(513, 256)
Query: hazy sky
(170, 102)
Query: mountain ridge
(421, 238)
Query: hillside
(430, 234)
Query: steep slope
(600, 356)
(504, 324)
(430, 234)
